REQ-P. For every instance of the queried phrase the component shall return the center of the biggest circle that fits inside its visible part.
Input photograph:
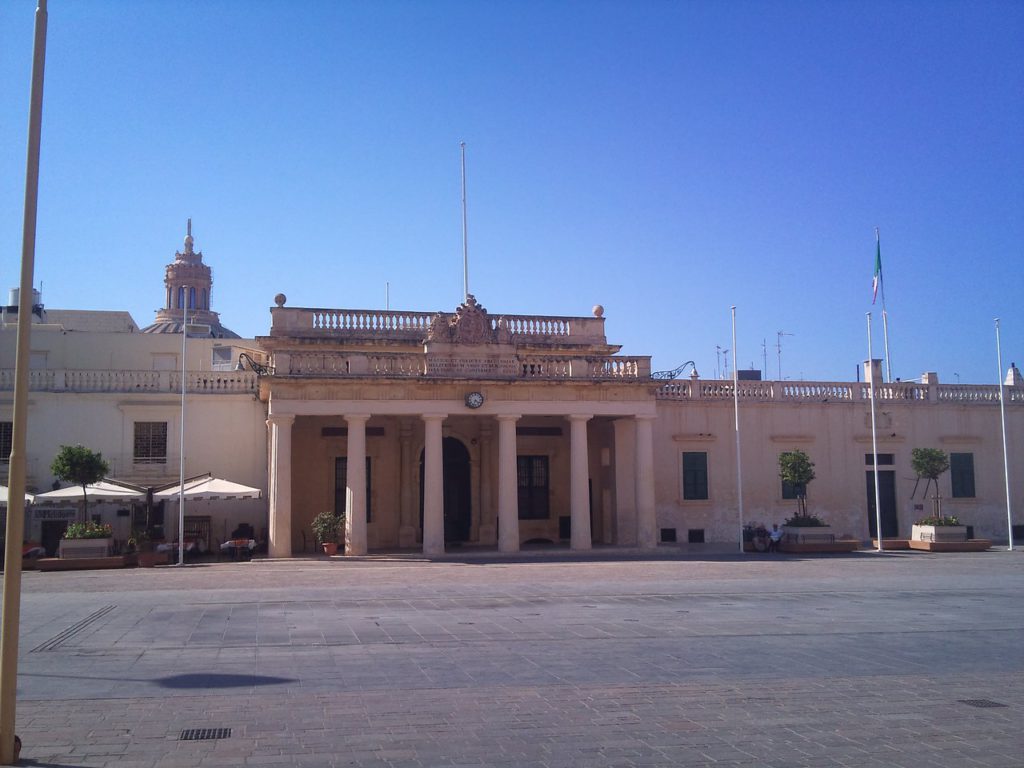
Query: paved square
(901, 659)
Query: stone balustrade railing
(835, 392)
(539, 367)
(74, 380)
(413, 326)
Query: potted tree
(797, 470)
(78, 465)
(929, 464)
(327, 527)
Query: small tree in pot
(77, 464)
(797, 469)
(327, 528)
(930, 464)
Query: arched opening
(181, 297)
(192, 298)
(458, 506)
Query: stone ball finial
(598, 310)
(280, 299)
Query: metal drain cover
(204, 734)
(984, 703)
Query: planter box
(822, 534)
(85, 548)
(939, 533)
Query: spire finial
(188, 237)
(189, 232)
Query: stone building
(437, 430)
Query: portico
(473, 443)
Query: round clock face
(474, 399)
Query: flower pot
(799, 534)
(330, 548)
(151, 558)
(939, 533)
(85, 548)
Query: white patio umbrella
(208, 488)
(104, 490)
(3, 496)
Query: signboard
(54, 513)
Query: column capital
(433, 416)
(356, 417)
(280, 419)
(508, 417)
(645, 417)
(579, 416)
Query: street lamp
(244, 358)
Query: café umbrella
(3, 496)
(104, 490)
(208, 488)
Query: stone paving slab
(858, 660)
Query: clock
(474, 400)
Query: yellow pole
(16, 494)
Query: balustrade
(68, 380)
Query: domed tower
(188, 282)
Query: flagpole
(736, 408)
(885, 314)
(874, 440)
(1002, 418)
(465, 239)
(181, 469)
(16, 477)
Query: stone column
(646, 516)
(579, 496)
(508, 485)
(433, 485)
(355, 486)
(487, 511)
(625, 482)
(408, 480)
(280, 492)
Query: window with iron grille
(695, 475)
(961, 475)
(534, 485)
(150, 442)
(6, 436)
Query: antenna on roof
(465, 241)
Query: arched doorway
(458, 506)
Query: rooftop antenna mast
(465, 239)
(778, 348)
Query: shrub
(88, 530)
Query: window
(961, 474)
(341, 486)
(793, 491)
(6, 437)
(884, 459)
(181, 297)
(695, 475)
(150, 442)
(533, 481)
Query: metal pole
(736, 408)
(885, 338)
(1002, 417)
(16, 488)
(181, 469)
(874, 441)
(465, 239)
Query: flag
(876, 282)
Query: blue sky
(665, 160)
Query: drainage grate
(984, 703)
(204, 734)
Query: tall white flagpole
(1002, 417)
(181, 469)
(885, 314)
(874, 440)
(465, 238)
(19, 430)
(736, 408)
